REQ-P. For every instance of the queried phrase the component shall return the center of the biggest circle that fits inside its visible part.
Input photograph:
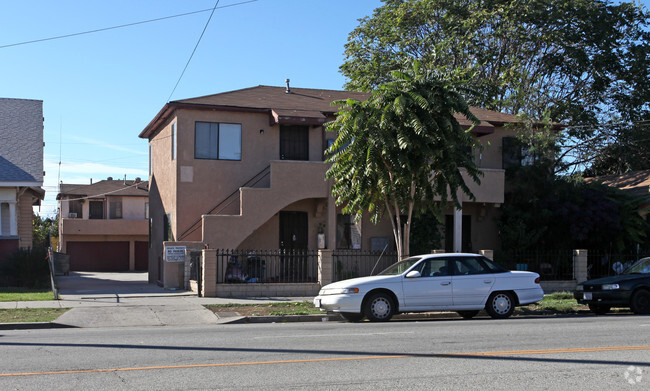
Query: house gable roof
(301, 106)
(635, 183)
(21, 148)
(103, 188)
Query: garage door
(98, 256)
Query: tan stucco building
(244, 170)
(104, 226)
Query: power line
(121, 26)
(193, 51)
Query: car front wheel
(640, 303)
(599, 309)
(500, 305)
(379, 308)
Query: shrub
(28, 268)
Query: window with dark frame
(96, 209)
(348, 234)
(115, 209)
(75, 209)
(218, 141)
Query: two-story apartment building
(104, 226)
(245, 170)
(21, 171)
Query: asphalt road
(569, 353)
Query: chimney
(288, 91)
(124, 179)
(91, 181)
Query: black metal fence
(608, 263)
(267, 266)
(354, 263)
(550, 265)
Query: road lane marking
(499, 353)
(338, 335)
(232, 364)
(551, 351)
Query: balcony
(104, 227)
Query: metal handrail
(249, 183)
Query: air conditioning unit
(72, 215)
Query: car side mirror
(413, 274)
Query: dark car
(628, 289)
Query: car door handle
(445, 283)
(487, 281)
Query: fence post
(580, 265)
(489, 254)
(209, 273)
(325, 266)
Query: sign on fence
(175, 253)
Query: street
(572, 352)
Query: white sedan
(466, 283)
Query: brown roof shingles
(106, 187)
(307, 104)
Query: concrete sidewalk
(127, 299)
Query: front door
(293, 246)
(294, 142)
(293, 230)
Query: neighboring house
(104, 226)
(635, 183)
(244, 170)
(21, 171)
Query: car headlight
(610, 287)
(341, 291)
(580, 288)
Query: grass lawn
(16, 315)
(23, 294)
(555, 303)
(297, 308)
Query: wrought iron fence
(267, 266)
(550, 265)
(354, 263)
(608, 263)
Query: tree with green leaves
(401, 151)
(584, 62)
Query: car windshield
(400, 267)
(641, 266)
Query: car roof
(447, 255)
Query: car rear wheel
(599, 309)
(352, 316)
(640, 303)
(379, 308)
(500, 305)
(467, 314)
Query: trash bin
(61, 264)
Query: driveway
(96, 285)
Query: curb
(34, 326)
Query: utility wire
(193, 51)
(121, 26)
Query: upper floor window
(174, 141)
(220, 141)
(75, 209)
(96, 209)
(115, 209)
(515, 153)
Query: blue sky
(100, 90)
